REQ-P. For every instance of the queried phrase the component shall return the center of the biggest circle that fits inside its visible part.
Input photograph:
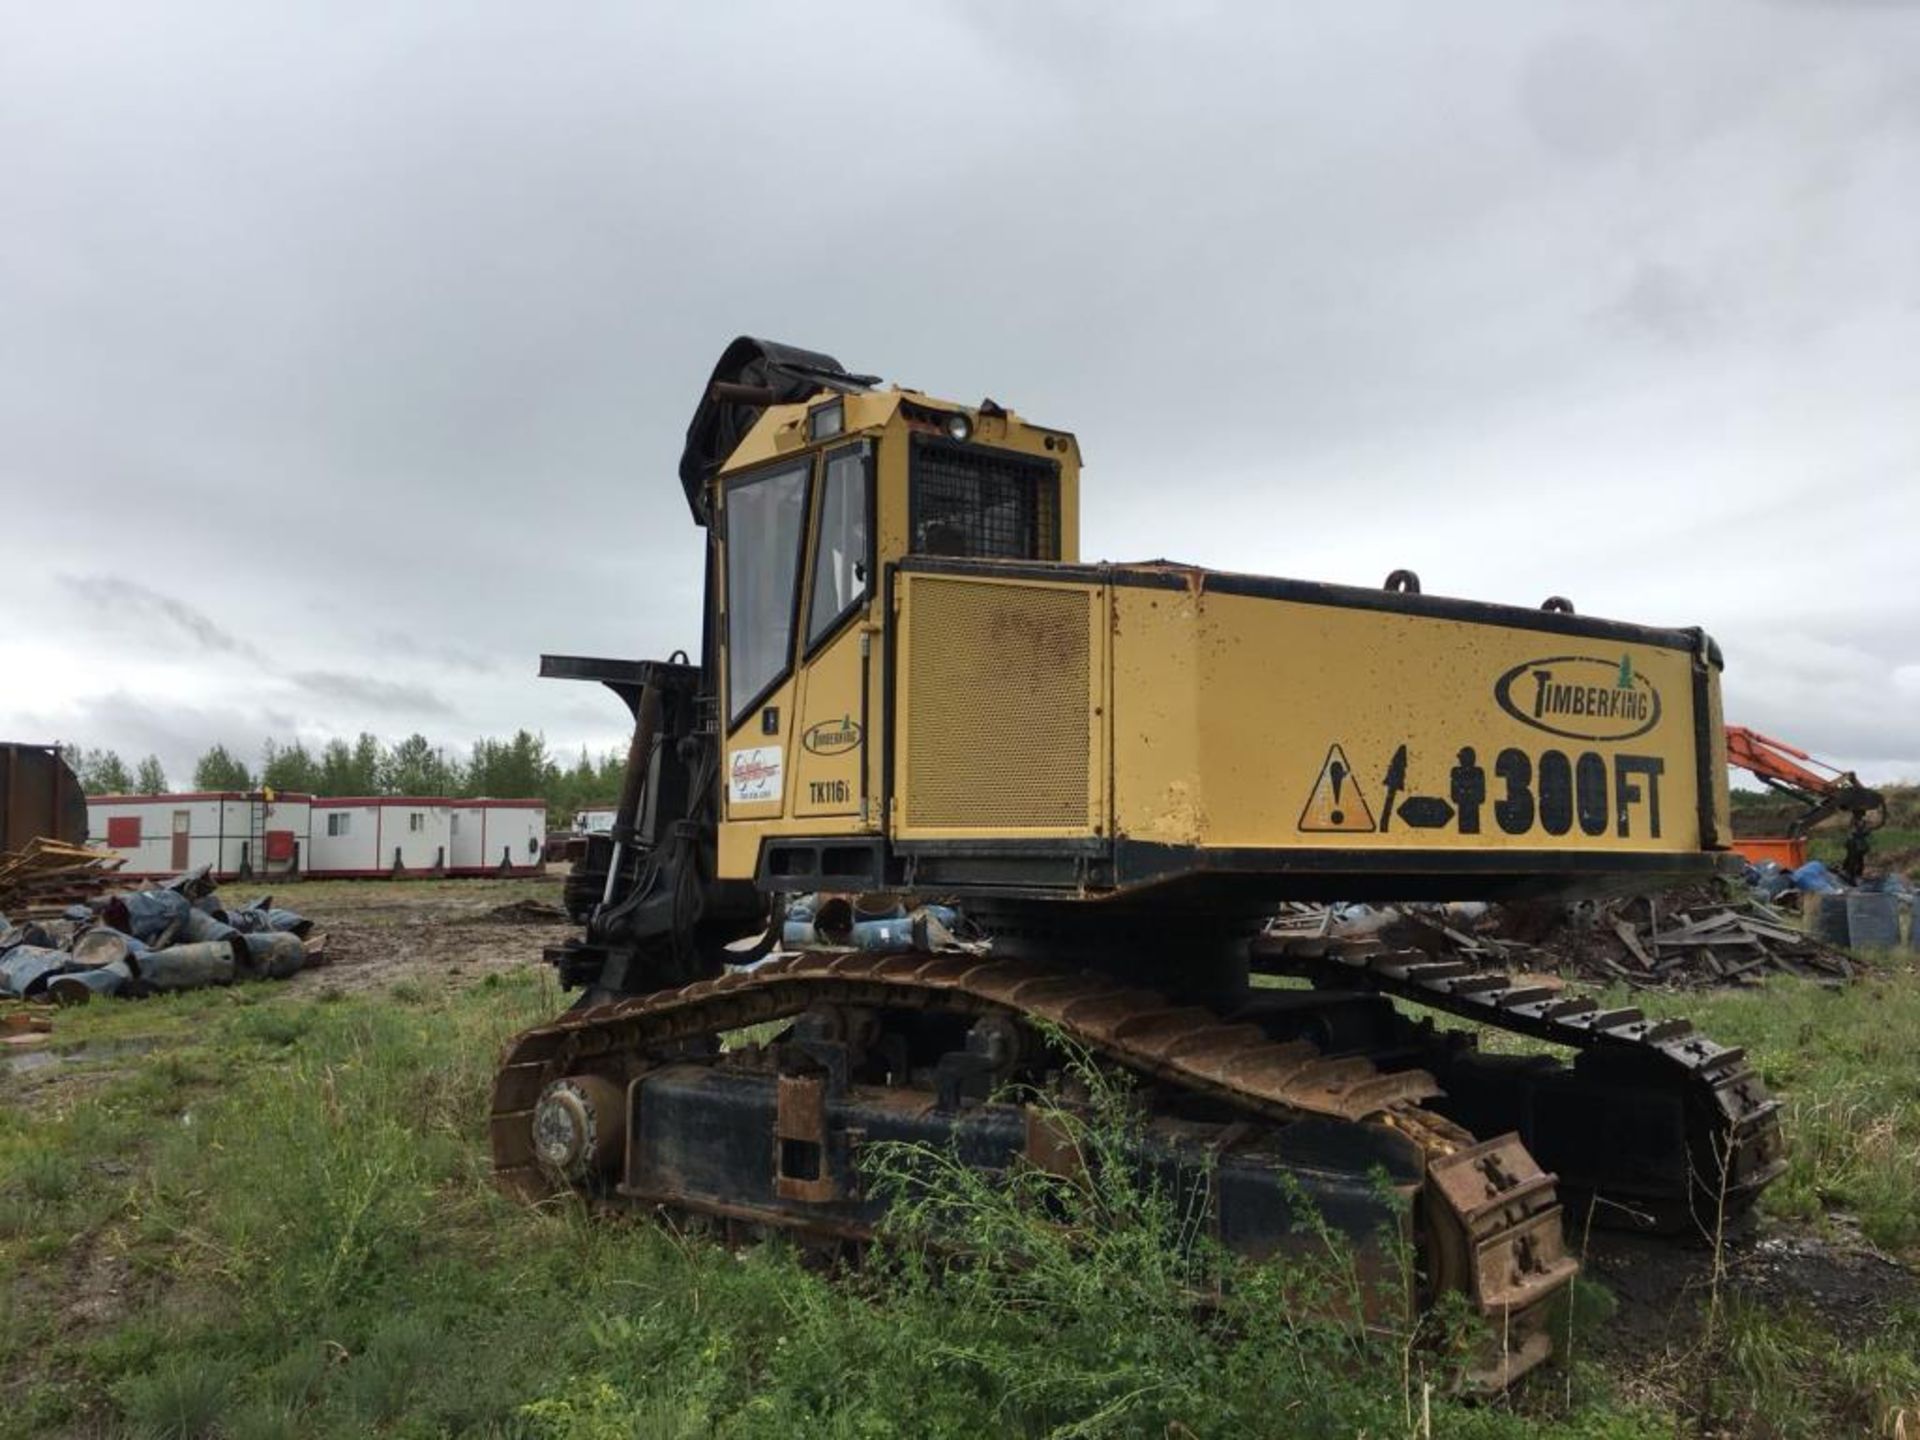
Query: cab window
(765, 522)
(840, 552)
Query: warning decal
(1336, 803)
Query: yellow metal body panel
(830, 731)
(1242, 720)
(1196, 711)
(1001, 704)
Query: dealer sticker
(754, 775)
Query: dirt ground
(1663, 1286)
(447, 933)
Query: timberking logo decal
(1581, 697)
(833, 737)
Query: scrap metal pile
(175, 937)
(43, 877)
(1691, 937)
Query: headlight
(826, 421)
(959, 427)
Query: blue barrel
(274, 955)
(25, 970)
(291, 921)
(188, 967)
(1873, 918)
(897, 933)
(149, 914)
(103, 945)
(77, 987)
(202, 926)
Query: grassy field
(255, 1213)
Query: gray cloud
(369, 347)
(344, 693)
(449, 654)
(127, 603)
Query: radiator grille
(999, 733)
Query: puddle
(25, 1062)
(48, 1057)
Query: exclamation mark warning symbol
(1336, 803)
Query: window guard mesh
(983, 504)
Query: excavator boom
(1823, 791)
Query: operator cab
(812, 511)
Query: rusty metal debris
(1697, 936)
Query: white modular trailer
(374, 835)
(498, 837)
(236, 834)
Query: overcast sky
(346, 350)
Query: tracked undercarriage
(1289, 1098)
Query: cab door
(764, 514)
(832, 725)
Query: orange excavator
(1823, 790)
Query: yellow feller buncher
(910, 683)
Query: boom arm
(1822, 788)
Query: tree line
(519, 768)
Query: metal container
(40, 798)
(202, 926)
(31, 933)
(1873, 919)
(833, 919)
(25, 970)
(291, 921)
(104, 945)
(1827, 917)
(189, 967)
(898, 933)
(272, 956)
(877, 907)
(149, 915)
(77, 987)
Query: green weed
(185, 1399)
(303, 1190)
(1840, 1060)
(1794, 1381)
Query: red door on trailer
(182, 835)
